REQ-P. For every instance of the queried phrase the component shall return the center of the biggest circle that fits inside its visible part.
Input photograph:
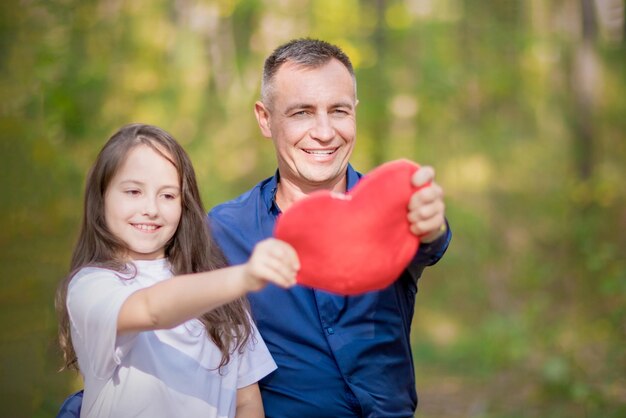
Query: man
(337, 356)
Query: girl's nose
(150, 207)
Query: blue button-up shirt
(337, 356)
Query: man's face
(312, 124)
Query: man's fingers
(423, 175)
(426, 208)
(426, 195)
(428, 226)
(425, 212)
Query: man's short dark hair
(305, 52)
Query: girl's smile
(146, 227)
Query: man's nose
(323, 129)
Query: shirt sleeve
(429, 253)
(256, 361)
(94, 299)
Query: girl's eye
(132, 192)
(169, 196)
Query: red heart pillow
(355, 242)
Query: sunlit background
(520, 105)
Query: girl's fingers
(276, 262)
(278, 273)
(284, 252)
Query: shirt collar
(268, 190)
(268, 193)
(353, 177)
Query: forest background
(520, 105)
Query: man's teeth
(320, 152)
(145, 227)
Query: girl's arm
(249, 403)
(181, 298)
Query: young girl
(151, 315)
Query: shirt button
(330, 331)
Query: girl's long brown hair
(190, 250)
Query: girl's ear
(263, 119)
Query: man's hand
(426, 207)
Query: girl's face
(142, 204)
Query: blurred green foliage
(520, 105)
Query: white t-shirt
(152, 374)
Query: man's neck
(288, 192)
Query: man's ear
(263, 119)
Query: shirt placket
(328, 307)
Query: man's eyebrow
(298, 106)
(347, 104)
(306, 106)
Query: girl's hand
(272, 261)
